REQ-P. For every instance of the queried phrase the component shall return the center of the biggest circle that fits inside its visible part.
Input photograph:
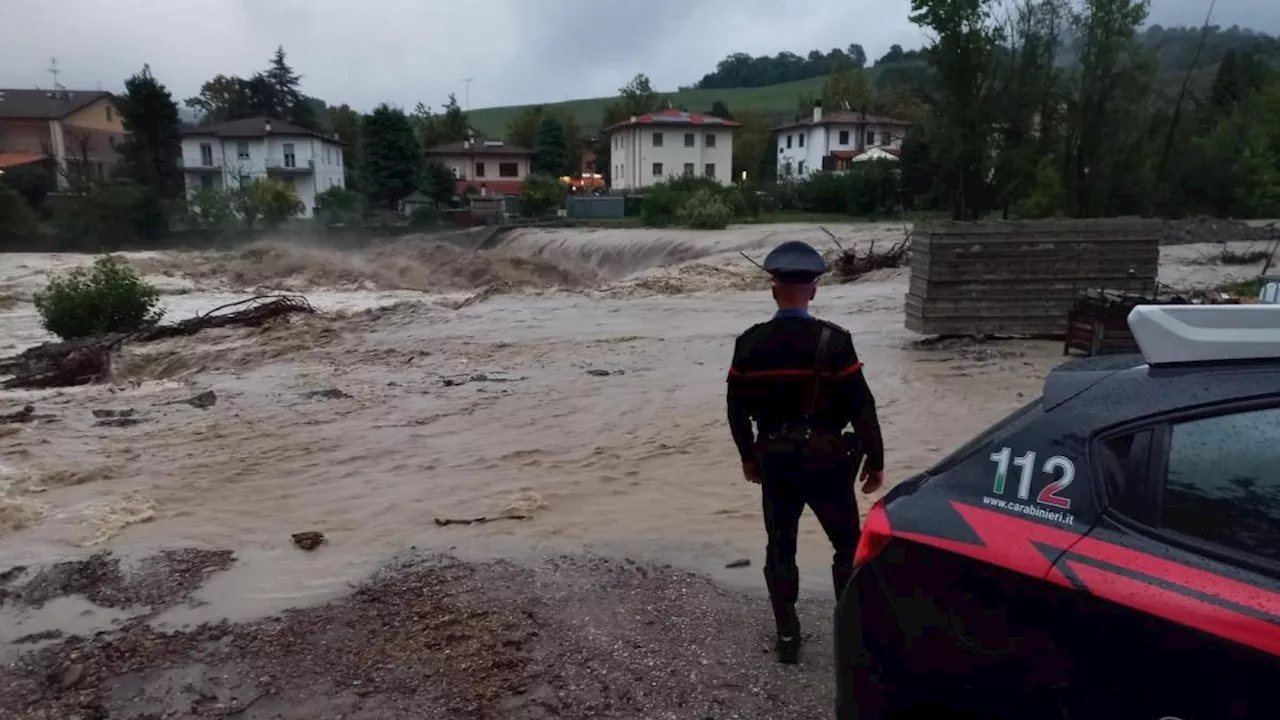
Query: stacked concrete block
(1020, 278)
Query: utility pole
(466, 82)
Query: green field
(774, 100)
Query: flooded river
(586, 393)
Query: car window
(1005, 423)
(1223, 481)
(1125, 461)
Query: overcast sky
(364, 52)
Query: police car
(1109, 550)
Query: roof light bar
(1172, 334)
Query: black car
(1109, 550)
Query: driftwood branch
(443, 521)
(849, 265)
(87, 360)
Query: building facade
(487, 167)
(73, 134)
(227, 156)
(831, 141)
(668, 144)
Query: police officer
(799, 379)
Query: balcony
(200, 166)
(277, 165)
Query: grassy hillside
(781, 100)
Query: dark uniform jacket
(774, 362)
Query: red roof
(671, 116)
(493, 187)
(853, 154)
(15, 159)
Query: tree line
(1061, 108)
(742, 70)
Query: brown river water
(586, 390)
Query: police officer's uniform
(772, 381)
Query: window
(111, 113)
(508, 170)
(688, 169)
(801, 141)
(657, 169)
(844, 137)
(245, 180)
(290, 160)
(206, 182)
(871, 138)
(1223, 481)
(709, 140)
(242, 150)
(788, 141)
(454, 170)
(479, 169)
(710, 170)
(1125, 471)
(800, 168)
(206, 154)
(690, 140)
(657, 139)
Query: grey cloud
(405, 51)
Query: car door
(1182, 576)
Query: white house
(831, 141)
(226, 155)
(668, 144)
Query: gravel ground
(434, 637)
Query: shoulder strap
(819, 359)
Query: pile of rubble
(1215, 230)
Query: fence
(1020, 278)
(596, 206)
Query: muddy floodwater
(584, 389)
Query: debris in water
(107, 413)
(739, 563)
(598, 372)
(326, 394)
(24, 415)
(481, 520)
(88, 360)
(482, 377)
(204, 400)
(8, 576)
(120, 422)
(849, 265)
(309, 540)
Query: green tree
(270, 201)
(453, 123)
(393, 160)
(540, 194)
(109, 298)
(222, 98)
(17, 219)
(550, 150)
(857, 56)
(340, 206)
(290, 103)
(211, 210)
(846, 88)
(347, 123)
(152, 147)
(522, 128)
(721, 110)
(437, 182)
(962, 56)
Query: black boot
(840, 576)
(784, 586)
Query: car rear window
(1006, 423)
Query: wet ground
(574, 379)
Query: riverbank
(430, 636)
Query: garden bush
(108, 298)
(705, 211)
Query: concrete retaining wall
(1019, 278)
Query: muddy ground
(429, 637)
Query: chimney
(817, 111)
(267, 126)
